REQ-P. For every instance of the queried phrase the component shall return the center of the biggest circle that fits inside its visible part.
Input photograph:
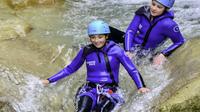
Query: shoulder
(116, 50)
(117, 47)
(142, 10)
(167, 19)
(168, 23)
(112, 45)
(169, 26)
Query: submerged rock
(13, 28)
(6, 107)
(18, 4)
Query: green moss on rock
(190, 105)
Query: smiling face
(156, 8)
(98, 40)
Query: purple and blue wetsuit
(97, 61)
(96, 65)
(163, 27)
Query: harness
(103, 93)
(102, 90)
(91, 48)
(146, 37)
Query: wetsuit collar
(145, 11)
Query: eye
(160, 6)
(92, 36)
(101, 36)
(153, 4)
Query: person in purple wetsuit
(103, 59)
(150, 27)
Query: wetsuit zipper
(98, 57)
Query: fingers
(143, 90)
(159, 59)
(130, 55)
(45, 82)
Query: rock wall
(186, 99)
(19, 4)
(6, 107)
(182, 94)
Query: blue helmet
(167, 3)
(98, 27)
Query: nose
(153, 8)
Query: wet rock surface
(20, 4)
(13, 28)
(182, 94)
(6, 107)
(187, 99)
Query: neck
(151, 18)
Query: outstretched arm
(133, 72)
(71, 68)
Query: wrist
(162, 53)
(49, 81)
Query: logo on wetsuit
(91, 63)
(176, 29)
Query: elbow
(182, 41)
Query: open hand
(143, 90)
(45, 82)
(159, 59)
(130, 55)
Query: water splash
(59, 49)
(31, 92)
(156, 80)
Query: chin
(153, 14)
(98, 46)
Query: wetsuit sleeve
(131, 32)
(175, 35)
(131, 69)
(71, 68)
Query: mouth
(97, 44)
(153, 12)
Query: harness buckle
(99, 89)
